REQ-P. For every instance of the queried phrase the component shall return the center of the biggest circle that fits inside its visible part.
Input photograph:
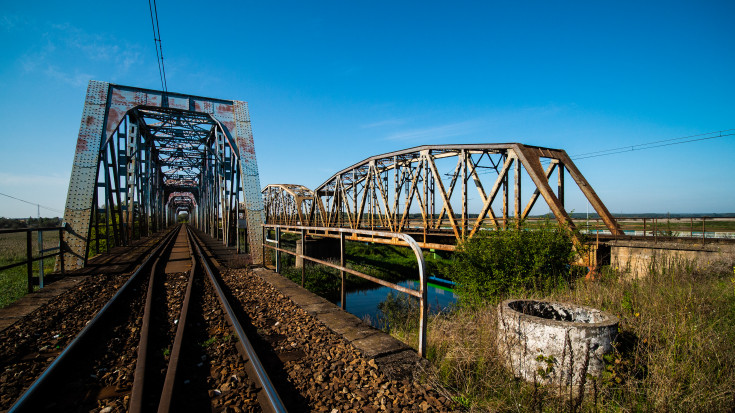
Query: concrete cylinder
(554, 343)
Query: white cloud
(76, 79)
(68, 54)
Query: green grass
(14, 282)
(675, 350)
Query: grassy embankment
(14, 282)
(675, 350)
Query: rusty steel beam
(398, 191)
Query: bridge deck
(119, 261)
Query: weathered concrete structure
(638, 258)
(554, 343)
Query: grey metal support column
(78, 210)
(254, 211)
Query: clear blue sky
(331, 83)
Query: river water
(364, 303)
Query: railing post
(303, 261)
(342, 293)
(703, 230)
(61, 249)
(265, 241)
(29, 262)
(278, 253)
(40, 263)
(691, 227)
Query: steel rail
(137, 393)
(35, 394)
(169, 386)
(273, 400)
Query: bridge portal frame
(115, 165)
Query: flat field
(14, 282)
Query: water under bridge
(143, 157)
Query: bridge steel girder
(117, 162)
(383, 192)
(288, 204)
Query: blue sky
(332, 83)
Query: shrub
(494, 263)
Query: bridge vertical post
(264, 234)
(560, 184)
(505, 193)
(255, 213)
(342, 292)
(517, 193)
(278, 253)
(78, 210)
(61, 250)
(29, 260)
(303, 263)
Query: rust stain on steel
(113, 110)
(420, 200)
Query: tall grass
(675, 350)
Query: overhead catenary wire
(32, 203)
(657, 144)
(157, 42)
(644, 146)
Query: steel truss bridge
(425, 191)
(144, 156)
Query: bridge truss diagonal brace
(532, 162)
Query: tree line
(15, 223)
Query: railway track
(86, 350)
(167, 341)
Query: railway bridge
(144, 156)
(153, 315)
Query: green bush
(495, 263)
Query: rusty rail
(421, 294)
(29, 401)
(137, 394)
(271, 401)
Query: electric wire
(32, 203)
(641, 146)
(157, 43)
(657, 144)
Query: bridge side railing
(42, 253)
(421, 293)
(656, 229)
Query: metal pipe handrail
(421, 293)
(29, 259)
(13, 230)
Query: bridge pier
(321, 248)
